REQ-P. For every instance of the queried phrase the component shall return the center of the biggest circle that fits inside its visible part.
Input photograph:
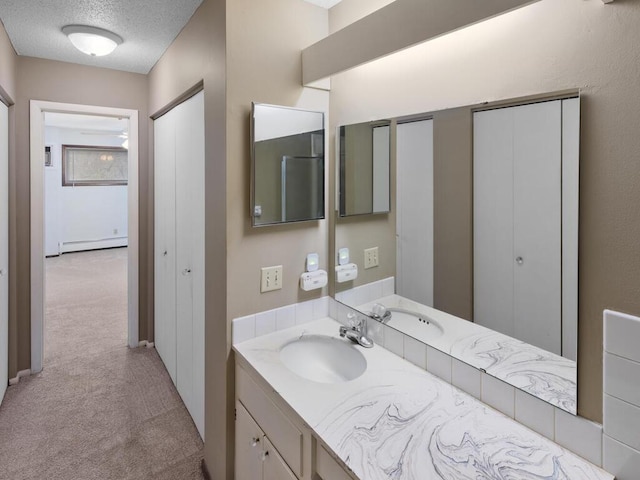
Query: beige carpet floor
(98, 410)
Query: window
(90, 166)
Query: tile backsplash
(263, 323)
(621, 452)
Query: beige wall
(198, 54)
(8, 61)
(549, 46)
(48, 80)
(264, 40)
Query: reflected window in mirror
(287, 165)
(364, 168)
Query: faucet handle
(352, 319)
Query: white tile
(579, 435)
(388, 286)
(375, 331)
(243, 328)
(622, 378)
(304, 312)
(374, 291)
(439, 364)
(466, 378)
(622, 335)
(320, 308)
(333, 309)
(342, 313)
(285, 317)
(532, 412)
(265, 323)
(620, 460)
(393, 341)
(415, 352)
(622, 421)
(498, 395)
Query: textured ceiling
(147, 26)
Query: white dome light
(92, 40)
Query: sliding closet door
(517, 222)
(189, 124)
(4, 250)
(165, 242)
(414, 219)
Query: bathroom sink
(323, 359)
(415, 324)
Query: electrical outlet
(271, 279)
(371, 257)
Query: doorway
(85, 212)
(38, 144)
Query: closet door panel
(537, 144)
(4, 250)
(165, 242)
(493, 219)
(190, 260)
(415, 211)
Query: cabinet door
(273, 466)
(249, 448)
(165, 242)
(4, 251)
(189, 125)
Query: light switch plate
(271, 278)
(371, 257)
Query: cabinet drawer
(327, 467)
(286, 438)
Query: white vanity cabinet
(179, 250)
(273, 445)
(256, 457)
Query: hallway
(98, 410)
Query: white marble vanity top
(543, 374)
(397, 421)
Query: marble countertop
(543, 374)
(397, 421)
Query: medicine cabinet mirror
(479, 256)
(287, 151)
(364, 155)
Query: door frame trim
(37, 255)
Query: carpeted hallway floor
(98, 410)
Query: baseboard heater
(81, 245)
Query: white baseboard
(21, 373)
(93, 244)
(144, 343)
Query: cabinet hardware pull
(265, 455)
(165, 253)
(186, 271)
(255, 441)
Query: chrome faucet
(357, 333)
(380, 313)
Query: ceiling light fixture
(93, 41)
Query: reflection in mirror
(484, 266)
(364, 168)
(287, 165)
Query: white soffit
(399, 25)
(324, 3)
(147, 27)
(86, 122)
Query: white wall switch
(271, 279)
(371, 257)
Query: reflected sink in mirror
(419, 326)
(323, 359)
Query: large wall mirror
(478, 257)
(287, 165)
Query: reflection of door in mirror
(414, 216)
(302, 188)
(525, 271)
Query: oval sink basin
(419, 326)
(323, 359)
